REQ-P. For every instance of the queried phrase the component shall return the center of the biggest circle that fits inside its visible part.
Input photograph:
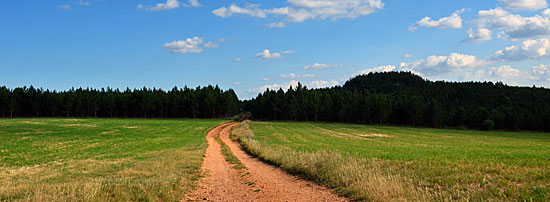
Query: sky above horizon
(252, 45)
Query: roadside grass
(382, 163)
(100, 159)
(229, 156)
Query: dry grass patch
(74, 163)
(358, 179)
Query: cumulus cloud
(169, 5)
(251, 9)
(302, 10)
(541, 73)
(284, 86)
(510, 26)
(452, 22)
(324, 84)
(406, 56)
(296, 76)
(387, 68)
(321, 66)
(65, 7)
(442, 65)
(479, 36)
(267, 54)
(524, 4)
(529, 49)
(189, 45)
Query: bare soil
(259, 182)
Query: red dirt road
(259, 182)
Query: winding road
(259, 182)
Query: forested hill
(402, 98)
(200, 102)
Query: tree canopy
(402, 98)
(201, 102)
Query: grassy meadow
(100, 159)
(383, 163)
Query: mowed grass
(382, 163)
(100, 159)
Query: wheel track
(262, 182)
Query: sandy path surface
(259, 182)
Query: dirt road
(259, 182)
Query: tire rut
(259, 182)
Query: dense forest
(394, 98)
(402, 98)
(205, 102)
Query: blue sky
(251, 45)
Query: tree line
(402, 98)
(200, 102)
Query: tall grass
(359, 179)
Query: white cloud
(285, 87)
(322, 66)
(324, 84)
(479, 36)
(238, 59)
(452, 22)
(529, 49)
(524, 4)
(251, 10)
(236, 83)
(276, 25)
(302, 10)
(65, 7)
(169, 5)
(140, 6)
(511, 26)
(267, 54)
(84, 3)
(189, 45)
(296, 76)
(211, 44)
(406, 56)
(293, 84)
(443, 65)
(387, 68)
(193, 3)
(541, 73)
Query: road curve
(259, 182)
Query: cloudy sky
(251, 45)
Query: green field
(100, 159)
(383, 163)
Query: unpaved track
(270, 183)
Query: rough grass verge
(229, 156)
(358, 179)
